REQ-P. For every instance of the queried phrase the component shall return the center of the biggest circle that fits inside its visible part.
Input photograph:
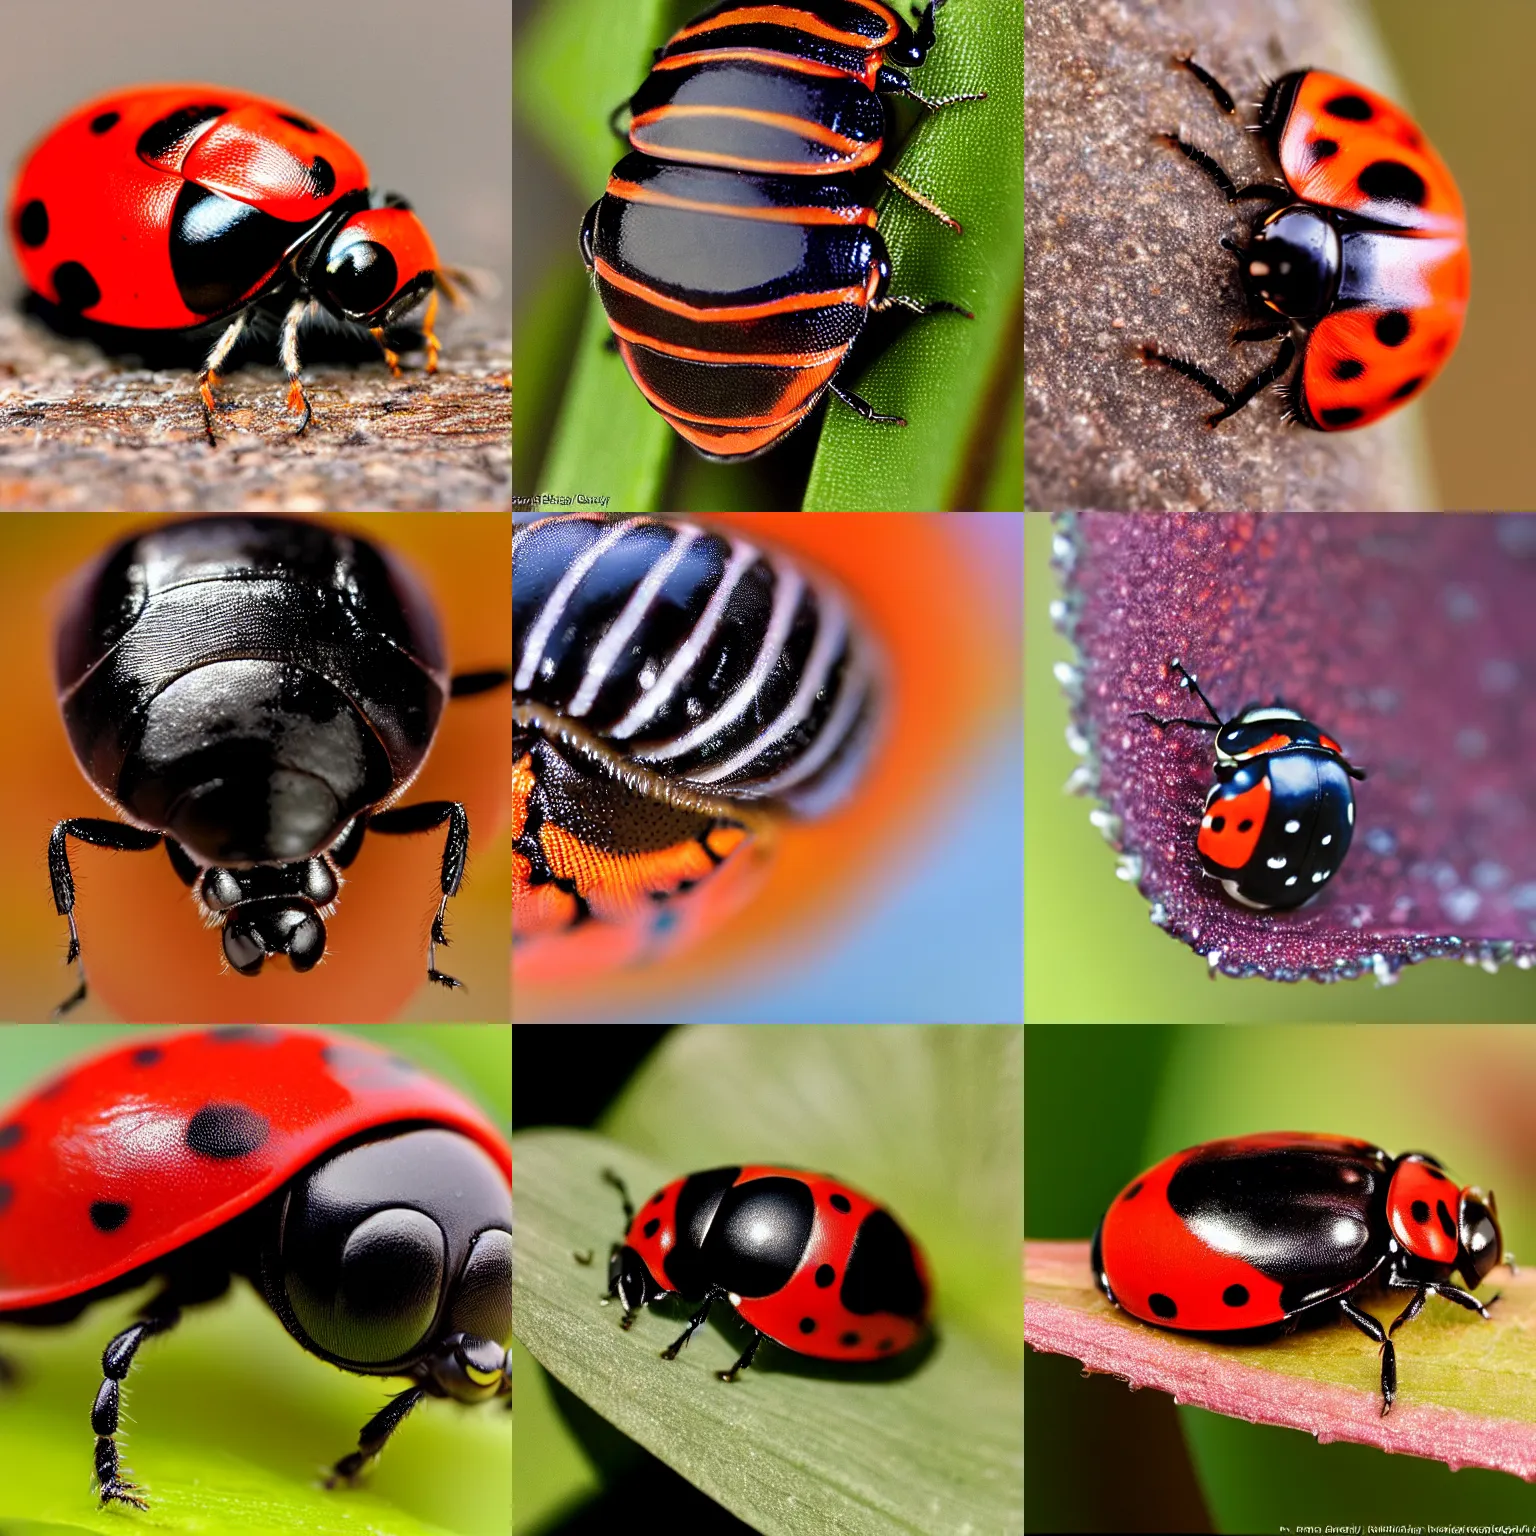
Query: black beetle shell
(249, 685)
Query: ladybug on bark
(805, 1260)
(174, 207)
(1255, 1231)
(1279, 818)
(369, 1205)
(1361, 264)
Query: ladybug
(369, 1205)
(674, 692)
(176, 207)
(1361, 264)
(804, 1258)
(256, 693)
(1279, 818)
(734, 250)
(1255, 1231)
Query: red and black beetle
(735, 251)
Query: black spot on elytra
(1348, 368)
(76, 288)
(1434, 1172)
(5, 1195)
(1246, 824)
(885, 1344)
(1407, 387)
(1235, 1295)
(1133, 1191)
(1392, 328)
(147, 1056)
(55, 1088)
(225, 1131)
(1340, 415)
(848, 1340)
(1218, 823)
(652, 1227)
(1392, 181)
(322, 177)
(1419, 1210)
(841, 1203)
(1446, 1224)
(108, 1215)
(1163, 1306)
(1324, 149)
(161, 142)
(11, 1135)
(807, 1325)
(105, 122)
(303, 124)
(656, 1198)
(1352, 108)
(825, 1275)
(32, 224)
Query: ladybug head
(1255, 733)
(630, 1280)
(271, 910)
(377, 266)
(1293, 263)
(1481, 1238)
(394, 1257)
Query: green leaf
(578, 59)
(929, 1120)
(969, 158)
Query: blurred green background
(1092, 954)
(229, 1422)
(1465, 73)
(1102, 1103)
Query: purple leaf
(1297, 1381)
(1410, 639)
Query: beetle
(1279, 819)
(369, 1205)
(1255, 1231)
(675, 691)
(735, 251)
(804, 1258)
(175, 208)
(256, 693)
(1360, 267)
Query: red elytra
(128, 1155)
(168, 207)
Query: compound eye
(361, 277)
(259, 929)
(221, 890)
(382, 1292)
(481, 1304)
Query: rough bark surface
(80, 431)
(1122, 249)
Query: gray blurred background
(421, 91)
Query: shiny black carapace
(253, 692)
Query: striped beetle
(676, 692)
(735, 250)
